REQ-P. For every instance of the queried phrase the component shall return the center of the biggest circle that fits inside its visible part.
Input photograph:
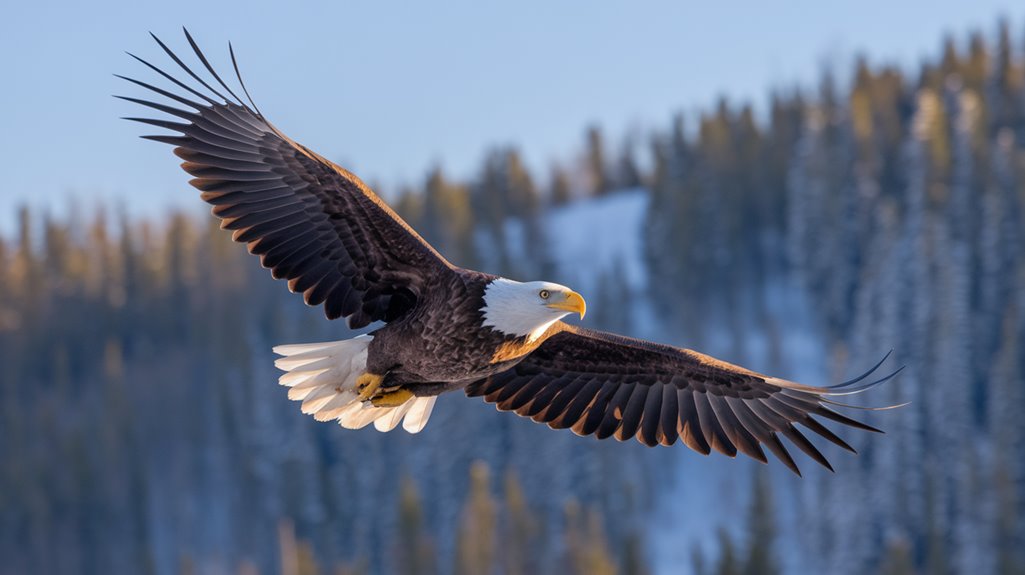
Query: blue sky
(390, 89)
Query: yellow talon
(392, 398)
(367, 385)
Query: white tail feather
(390, 421)
(323, 377)
(418, 414)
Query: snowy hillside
(600, 236)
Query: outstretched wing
(608, 385)
(310, 222)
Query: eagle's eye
(545, 294)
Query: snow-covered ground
(599, 236)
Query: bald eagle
(447, 328)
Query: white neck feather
(512, 308)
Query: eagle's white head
(527, 309)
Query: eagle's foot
(393, 398)
(367, 385)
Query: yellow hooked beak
(571, 302)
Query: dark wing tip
(838, 417)
(780, 451)
(234, 63)
(864, 375)
(851, 387)
(209, 67)
(185, 67)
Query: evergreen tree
(132, 351)
(448, 218)
(410, 206)
(634, 562)
(289, 549)
(6, 283)
(416, 555)
(475, 548)
(761, 535)
(28, 274)
(307, 560)
(1005, 85)
(898, 559)
(628, 175)
(698, 564)
(937, 558)
(597, 168)
(559, 191)
(178, 268)
(504, 192)
(520, 547)
(586, 546)
(728, 564)
(1008, 473)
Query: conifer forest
(142, 429)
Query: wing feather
(525, 395)
(586, 396)
(668, 430)
(313, 223)
(508, 388)
(614, 413)
(688, 426)
(712, 428)
(593, 417)
(651, 417)
(607, 385)
(542, 399)
(633, 412)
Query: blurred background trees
(141, 430)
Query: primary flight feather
(446, 328)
